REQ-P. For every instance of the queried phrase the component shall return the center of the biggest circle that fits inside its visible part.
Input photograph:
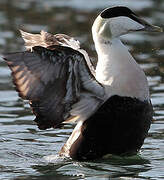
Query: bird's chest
(122, 78)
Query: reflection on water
(28, 153)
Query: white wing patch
(87, 105)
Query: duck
(109, 103)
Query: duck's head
(119, 20)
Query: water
(29, 153)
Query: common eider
(111, 104)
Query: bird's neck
(118, 71)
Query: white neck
(118, 71)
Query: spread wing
(45, 39)
(58, 83)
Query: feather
(57, 82)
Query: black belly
(118, 127)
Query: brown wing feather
(57, 83)
(47, 40)
(46, 78)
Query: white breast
(118, 71)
